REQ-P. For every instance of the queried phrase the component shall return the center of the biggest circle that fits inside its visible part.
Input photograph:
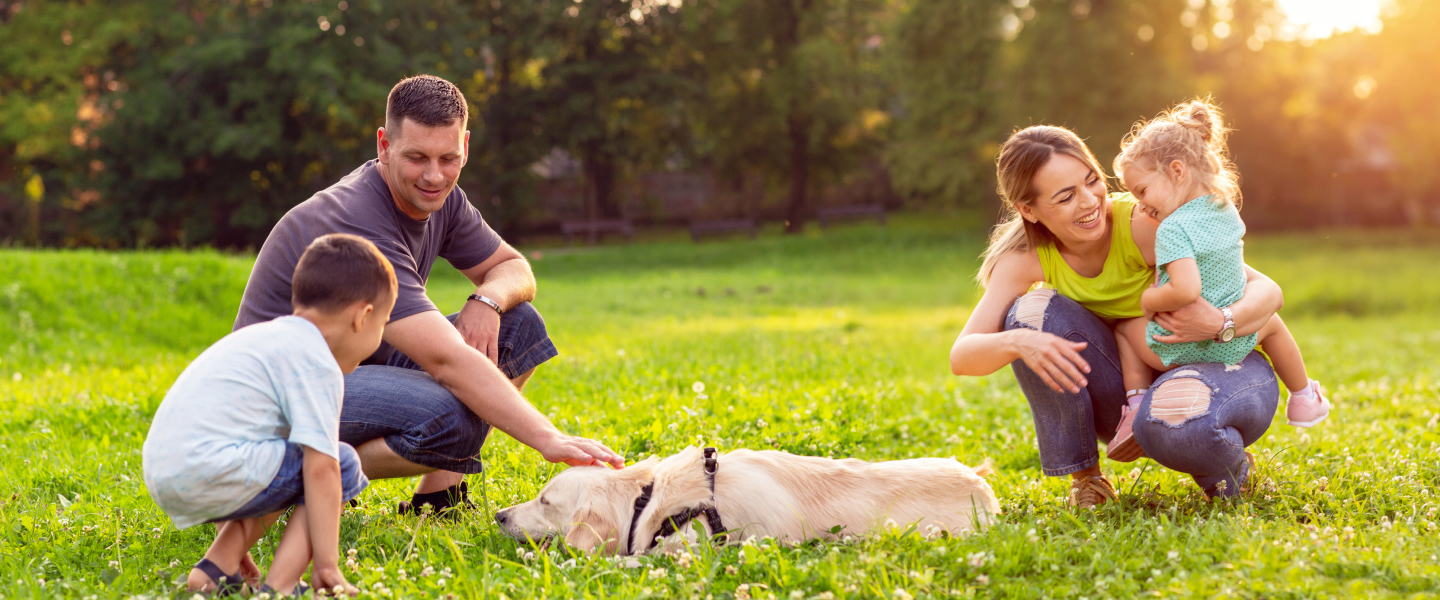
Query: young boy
(251, 428)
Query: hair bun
(1200, 115)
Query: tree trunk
(797, 123)
(601, 173)
(799, 171)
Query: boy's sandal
(299, 591)
(225, 585)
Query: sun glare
(1322, 18)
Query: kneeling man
(430, 394)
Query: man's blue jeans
(1205, 415)
(421, 420)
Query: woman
(1094, 254)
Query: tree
(793, 89)
(945, 56)
(614, 88)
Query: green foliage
(136, 124)
(945, 56)
(827, 344)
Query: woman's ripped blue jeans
(1196, 419)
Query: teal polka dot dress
(1209, 232)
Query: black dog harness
(680, 519)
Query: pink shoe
(1307, 408)
(1123, 447)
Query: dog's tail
(986, 468)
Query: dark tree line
(148, 123)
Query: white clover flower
(1172, 555)
(731, 570)
(698, 387)
(982, 580)
(440, 582)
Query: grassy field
(833, 345)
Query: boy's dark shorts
(287, 489)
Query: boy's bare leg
(231, 549)
(1284, 354)
(293, 554)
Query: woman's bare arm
(1201, 321)
(983, 346)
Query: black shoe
(446, 502)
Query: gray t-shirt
(361, 204)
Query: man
(433, 389)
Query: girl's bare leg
(292, 556)
(1284, 353)
(1138, 362)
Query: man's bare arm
(506, 278)
(434, 344)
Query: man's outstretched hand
(579, 452)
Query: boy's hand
(249, 571)
(327, 579)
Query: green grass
(832, 344)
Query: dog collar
(680, 519)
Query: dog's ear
(589, 530)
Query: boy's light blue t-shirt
(219, 436)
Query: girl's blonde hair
(1020, 158)
(1193, 134)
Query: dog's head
(590, 507)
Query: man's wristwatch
(496, 305)
(1227, 332)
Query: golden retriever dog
(754, 493)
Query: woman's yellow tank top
(1115, 292)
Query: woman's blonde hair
(1020, 158)
(1193, 134)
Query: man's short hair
(338, 270)
(427, 100)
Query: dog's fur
(766, 493)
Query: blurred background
(199, 123)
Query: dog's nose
(501, 517)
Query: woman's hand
(1055, 359)
(1196, 322)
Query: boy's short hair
(427, 100)
(338, 270)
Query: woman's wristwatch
(1227, 332)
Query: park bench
(723, 226)
(851, 211)
(594, 229)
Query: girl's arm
(1201, 321)
(1182, 289)
(983, 346)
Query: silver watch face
(1227, 334)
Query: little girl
(1177, 168)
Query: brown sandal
(1091, 491)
